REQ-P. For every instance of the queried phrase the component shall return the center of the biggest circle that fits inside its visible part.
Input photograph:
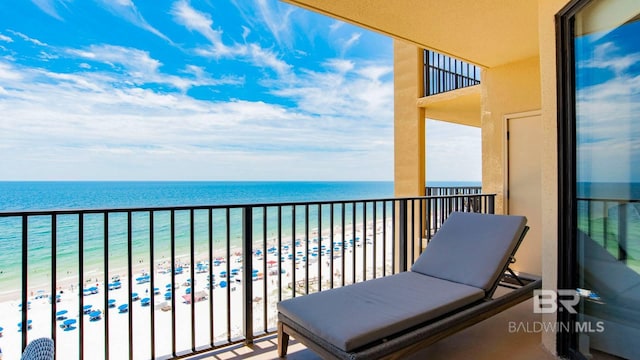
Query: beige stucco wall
(509, 89)
(409, 135)
(549, 153)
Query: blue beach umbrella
(68, 324)
(167, 295)
(60, 315)
(111, 303)
(123, 308)
(223, 284)
(87, 308)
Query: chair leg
(283, 340)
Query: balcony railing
(614, 224)
(171, 282)
(443, 73)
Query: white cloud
(265, 58)
(50, 7)
(453, 152)
(127, 10)
(27, 38)
(5, 38)
(603, 58)
(60, 123)
(277, 20)
(142, 68)
(201, 23)
(349, 43)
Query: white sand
(67, 342)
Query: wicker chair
(39, 349)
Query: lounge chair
(450, 287)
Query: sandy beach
(316, 263)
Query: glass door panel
(607, 93)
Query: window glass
(607, 70)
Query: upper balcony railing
(170, 282)
(443, 73)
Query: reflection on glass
(607, 63)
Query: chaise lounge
(450, 287)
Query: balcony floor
(489, 339)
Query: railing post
(492, 204)
(247, 279)
(622, 232)
(402, 235)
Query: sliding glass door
(600, 185)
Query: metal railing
(452, 190)
(613, 223)
(443, 73)
(109, 280)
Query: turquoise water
(31, 196)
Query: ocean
(90, 195)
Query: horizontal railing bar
(228, 206)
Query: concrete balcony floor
(489, 339)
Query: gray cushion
(358, 314)
(471, 248)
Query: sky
(195, 90)
(607, 105)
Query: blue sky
(192, 90)
(608, 103)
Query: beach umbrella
(134, 296)
(68, 324)
(167, 295)
(95, 315)
(60, 315)
(28, 325)
(87, 308)
(145, 301)
(156, 291)
(123, 308)
(272, 262)
(223, 284)
(111, 303)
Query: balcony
(181, 281)
(443, 73)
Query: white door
(524, 142)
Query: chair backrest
(472, 249)
(39, 349)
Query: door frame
(505, 149)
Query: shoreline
(67, 344)
(43, 281)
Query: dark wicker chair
(39, 349)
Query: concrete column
(409, 138)
(409, 120)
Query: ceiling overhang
(487, 33)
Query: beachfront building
(556, 104)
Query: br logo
(546, 301)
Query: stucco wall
(409, 135)
(509, 89)
(549, 153)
